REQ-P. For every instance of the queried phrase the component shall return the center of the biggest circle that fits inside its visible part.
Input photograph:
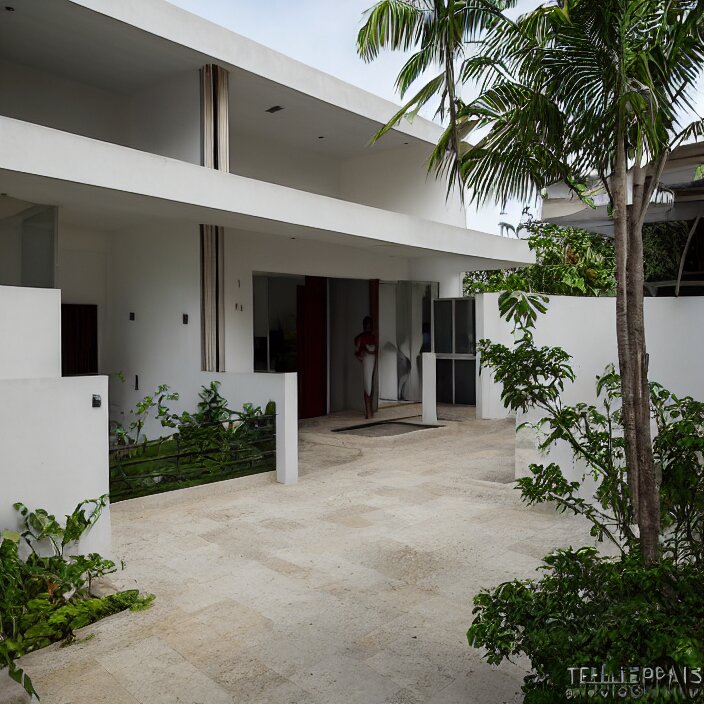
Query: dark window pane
(442, 324)
(464, 326)
(443, 381)
(465, 382)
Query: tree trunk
(648, 515)
(619, 192)
(633, 359)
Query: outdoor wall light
(274, 108)
(131, 316)
(185, 318)
(97, 401)
(321, 137)
(9, 8)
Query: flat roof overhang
(599, 220)
(120, 187)
(166, 21)
(126, 47)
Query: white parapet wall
(54, 449)
(586, 329)
(30, 332)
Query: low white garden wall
(54, 450)
(586, 329)
(238, 388)
(53, 442)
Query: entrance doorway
(307, 324)
(290, 334)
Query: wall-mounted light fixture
(274, 108)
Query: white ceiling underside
(78, 44)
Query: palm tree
(572, 92)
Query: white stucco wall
(48, 99)
(586, 329)
(30, 332)
(81, 273)
(398, 180)
(153, 272)
(54, 449)
(278, 162)
(164, 118)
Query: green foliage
(209, 445)
(158, 400)
(212, 407)
(558, 87)
(663, 244)
(569, 262)
(46, 598)
(591, 611)
(588, 610)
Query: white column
(287, 431)
(430, 408)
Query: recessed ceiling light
(274, 108)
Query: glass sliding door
(454, 343)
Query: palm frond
(411, 108)
(392, 24)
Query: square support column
(287, 432)
(430, 406)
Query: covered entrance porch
(308, 324)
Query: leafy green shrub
(663, 244)
(208, 445)
(45, 598)
(590, 610)
(569, 262)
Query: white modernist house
(203, 207)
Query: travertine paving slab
(355, 585)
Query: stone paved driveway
(353, 587)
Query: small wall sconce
(185, 318)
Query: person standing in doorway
(365, 352)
